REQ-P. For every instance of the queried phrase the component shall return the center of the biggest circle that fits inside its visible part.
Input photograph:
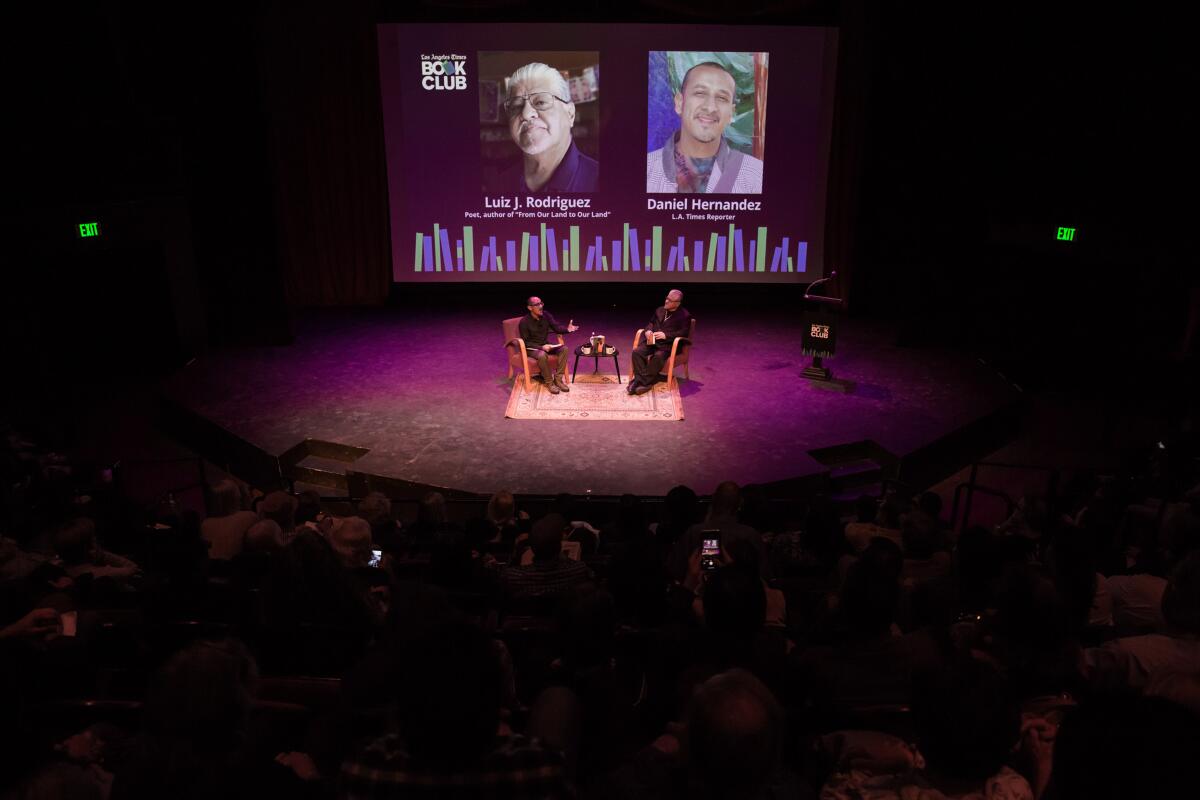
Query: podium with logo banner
(819, 337)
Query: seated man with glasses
(668, 322)
(540, 117)
(535, 328)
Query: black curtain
(321, 88)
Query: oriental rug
(595, 397)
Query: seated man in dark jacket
(668, 323)
(535, 328)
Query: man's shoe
(642, 389)
(561, 383)
(632, 386)
(552, 387)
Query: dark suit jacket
(678, 325)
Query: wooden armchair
(518, 355)
(681, 348)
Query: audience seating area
(370, 647)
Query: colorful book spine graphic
(550, 248)
(447, 264)
(546, 249)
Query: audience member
(978, 566)
(924, 558)
(1071, 557)
(308, 586)
(450, 739)
(860, 658)
(506, 520)
(432, 517)
(386, 534)
(81, 553)
(264, 536)
(459, 561)
(280, 507)
(722, 517)
(1132, 662)
(1121, 747)
(884, 524)
(351, 540)
(930, 504)
(16, 563)
(196, 737)
(628, 525)
(1033, 630)
(967, 725)
(308, 509)
(228, 520)
(734, 739)
(1137, 597)
(730, 745)
(680, 510)
(551, 571)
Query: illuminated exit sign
(1066, 234)
(89, 229)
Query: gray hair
(264, 536)
(352, 542)
(533, 71)
(735, 730)
(675, 294)
(225, 497)
(375, 508)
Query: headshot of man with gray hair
(540, 115)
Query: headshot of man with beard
(697, 159)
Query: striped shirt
(544, 577)
(516, 768)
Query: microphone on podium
(820, 298)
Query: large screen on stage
(623, 152)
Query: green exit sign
(1066, 234)
(88, 229)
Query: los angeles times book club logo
(445, 73)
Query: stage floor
(425, 393)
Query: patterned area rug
(595, 397)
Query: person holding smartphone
(710, 550)
(722, 518)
